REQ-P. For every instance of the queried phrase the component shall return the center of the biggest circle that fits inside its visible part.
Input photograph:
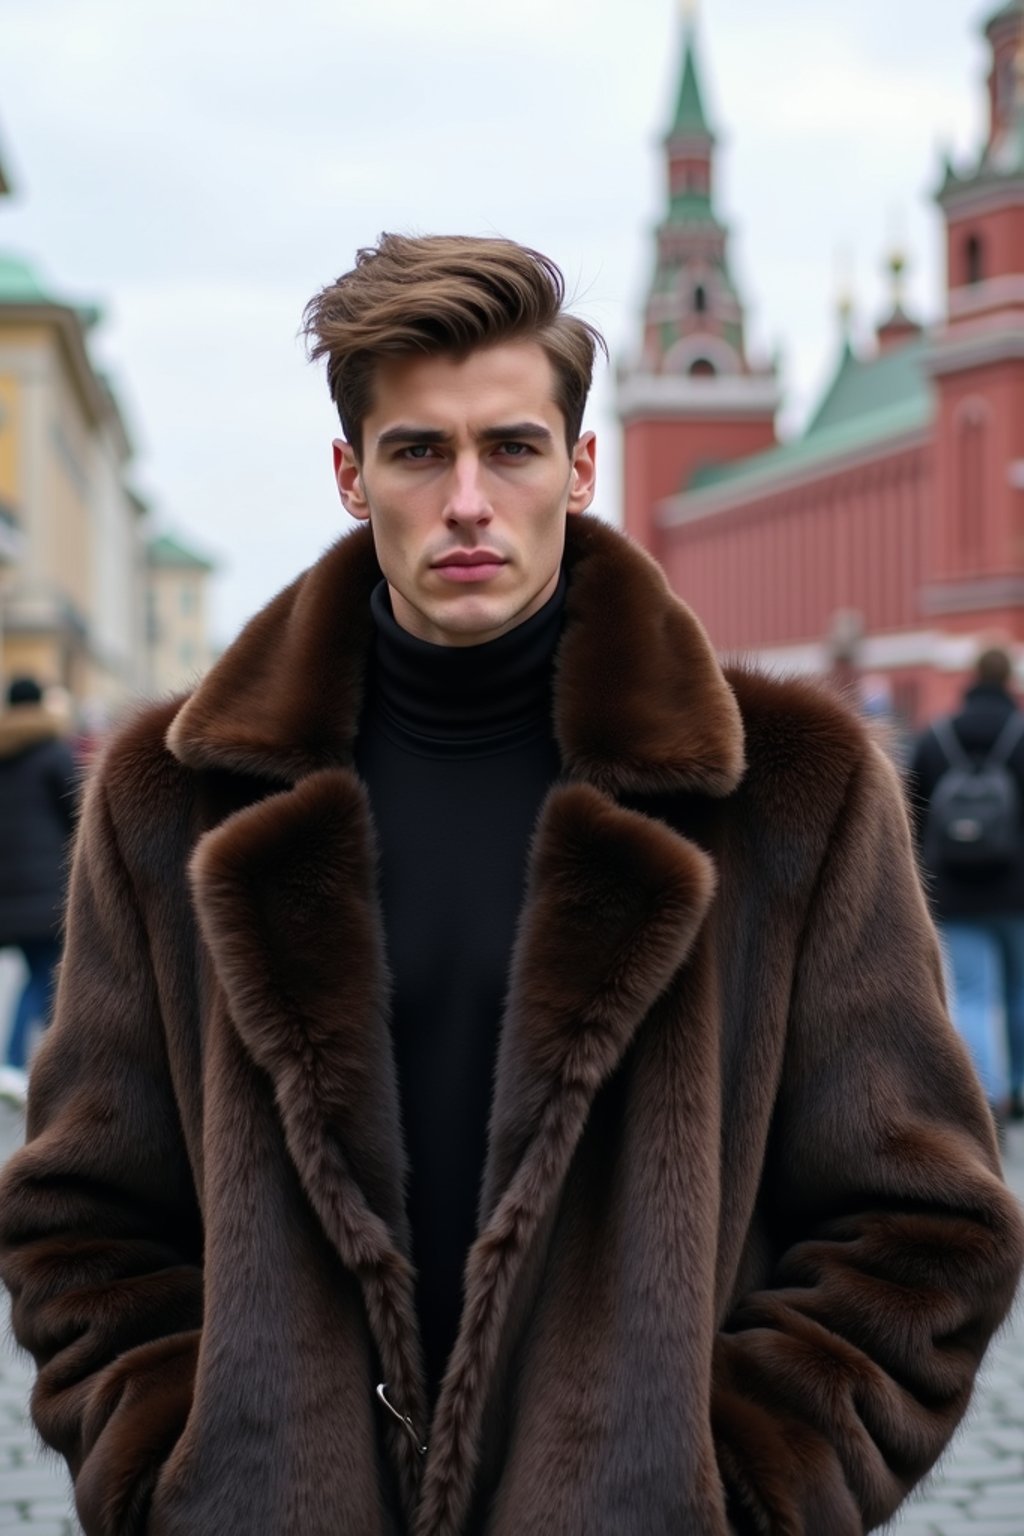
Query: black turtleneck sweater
(456, 749)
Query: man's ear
(349, 480)
(583, 483)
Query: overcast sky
(200, 167)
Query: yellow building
(72, 555)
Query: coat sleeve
(100, 1242)
(838, 1384)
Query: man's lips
(470, 557)
(469, 565)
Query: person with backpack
(966, 786)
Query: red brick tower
(976, 577)
(690, 399)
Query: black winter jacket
(37, 808)
(985, 894)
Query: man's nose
(468, 501)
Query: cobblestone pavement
(34, 1489)
(978, 1489)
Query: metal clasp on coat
(403, 1419)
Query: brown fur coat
(742, 1234)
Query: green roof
(864, 386)
(19, 282)
(869, 401)
(168, 551)
(689, 118)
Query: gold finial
(843, 266)
(896, 263)
(844, 305)
(689, 9)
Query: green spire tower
(689, 398)
(693, 321)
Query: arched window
(700, 299)
(702, 368)
(974, 259)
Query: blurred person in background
(37, 812)
(500, 1080)
(966, 786)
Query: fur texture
(742, 1234)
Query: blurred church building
(889, 535)
(91, 601)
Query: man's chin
(473, 622)
(472, 618)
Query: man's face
(466, 482)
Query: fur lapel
(285, 892)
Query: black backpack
(973, 818)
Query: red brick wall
(660, 456)
(775, 571)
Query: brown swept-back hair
(445, 294)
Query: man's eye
(516, 450)
(416, 451)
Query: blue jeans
(41, 956)
(986, 957)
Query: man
(472, 802)
(37, 806)
(978, 899)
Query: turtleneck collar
(477, 699)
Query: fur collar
(641, 705)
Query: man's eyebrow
(533, 431)
(404, 434)
(433, 437)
